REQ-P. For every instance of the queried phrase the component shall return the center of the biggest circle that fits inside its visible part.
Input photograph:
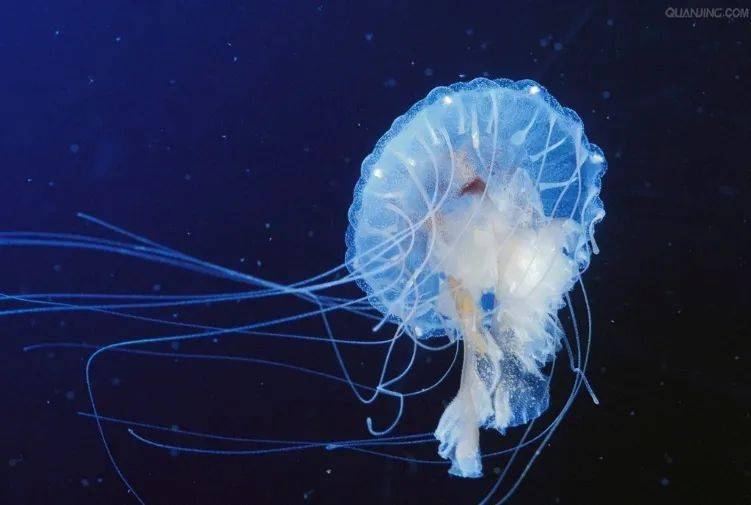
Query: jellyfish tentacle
(394, 423)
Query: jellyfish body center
(505, 272)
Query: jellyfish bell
(472, 219)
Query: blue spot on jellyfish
(471, 223)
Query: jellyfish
(471, 222)
(488, 193)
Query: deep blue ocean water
(234, 132)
